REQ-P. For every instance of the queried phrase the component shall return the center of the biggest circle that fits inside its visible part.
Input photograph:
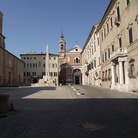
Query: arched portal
(77, 76)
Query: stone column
(47, 63)
(113, 73)
(121, 76)
(126, 72)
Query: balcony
(117, 21)
(121, 52)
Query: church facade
(70, 63)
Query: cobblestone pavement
(70, 112)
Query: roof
(40, 54)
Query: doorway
(77, 78)
(35, 81)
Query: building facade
(91, 62)
(11, 67)
(34, 68)
(118, 40)
(70, 63)
(119, 45)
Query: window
(54, 58)
(105, 55)
(28, 74)
(108, 52)
(68, 59)
(103, 76)
(39, 64)
(130, 36)
(34, 74)
(76, 60)
(76, 49)
(107, 28)
(27, 57)
(43, 73)
(50, 65)
(132, 70)
(94, 48)
(51, 74)
(53, 65)
(120, 42)
(102, 35)
(24, 57)
(44, 65)
(29, 65)
(95, 62)
(55, 73)
(24, 74)
(92, 65)
(118, 14)
(35, 65)
(113, 48)
(44, 58)
(94, 36)
(111, 21)
(128, 2)
(99, 60)
(109, 74)
(106, 75)
(61, 46)
(98, 41)
(34, 57)
(104, 32)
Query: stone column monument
(46, 77)
(47, 80)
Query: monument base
(42, 85)
(45, 82)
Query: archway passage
(77, 76)
(35, 81)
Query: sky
(30, 25)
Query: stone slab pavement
(70, 112)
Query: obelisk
(47, 64)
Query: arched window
(76, 60)
(62, 46)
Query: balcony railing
(118, 52)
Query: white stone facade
(91, 64)
(118, 40)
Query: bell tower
(62, 46)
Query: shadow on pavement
(71, 118)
